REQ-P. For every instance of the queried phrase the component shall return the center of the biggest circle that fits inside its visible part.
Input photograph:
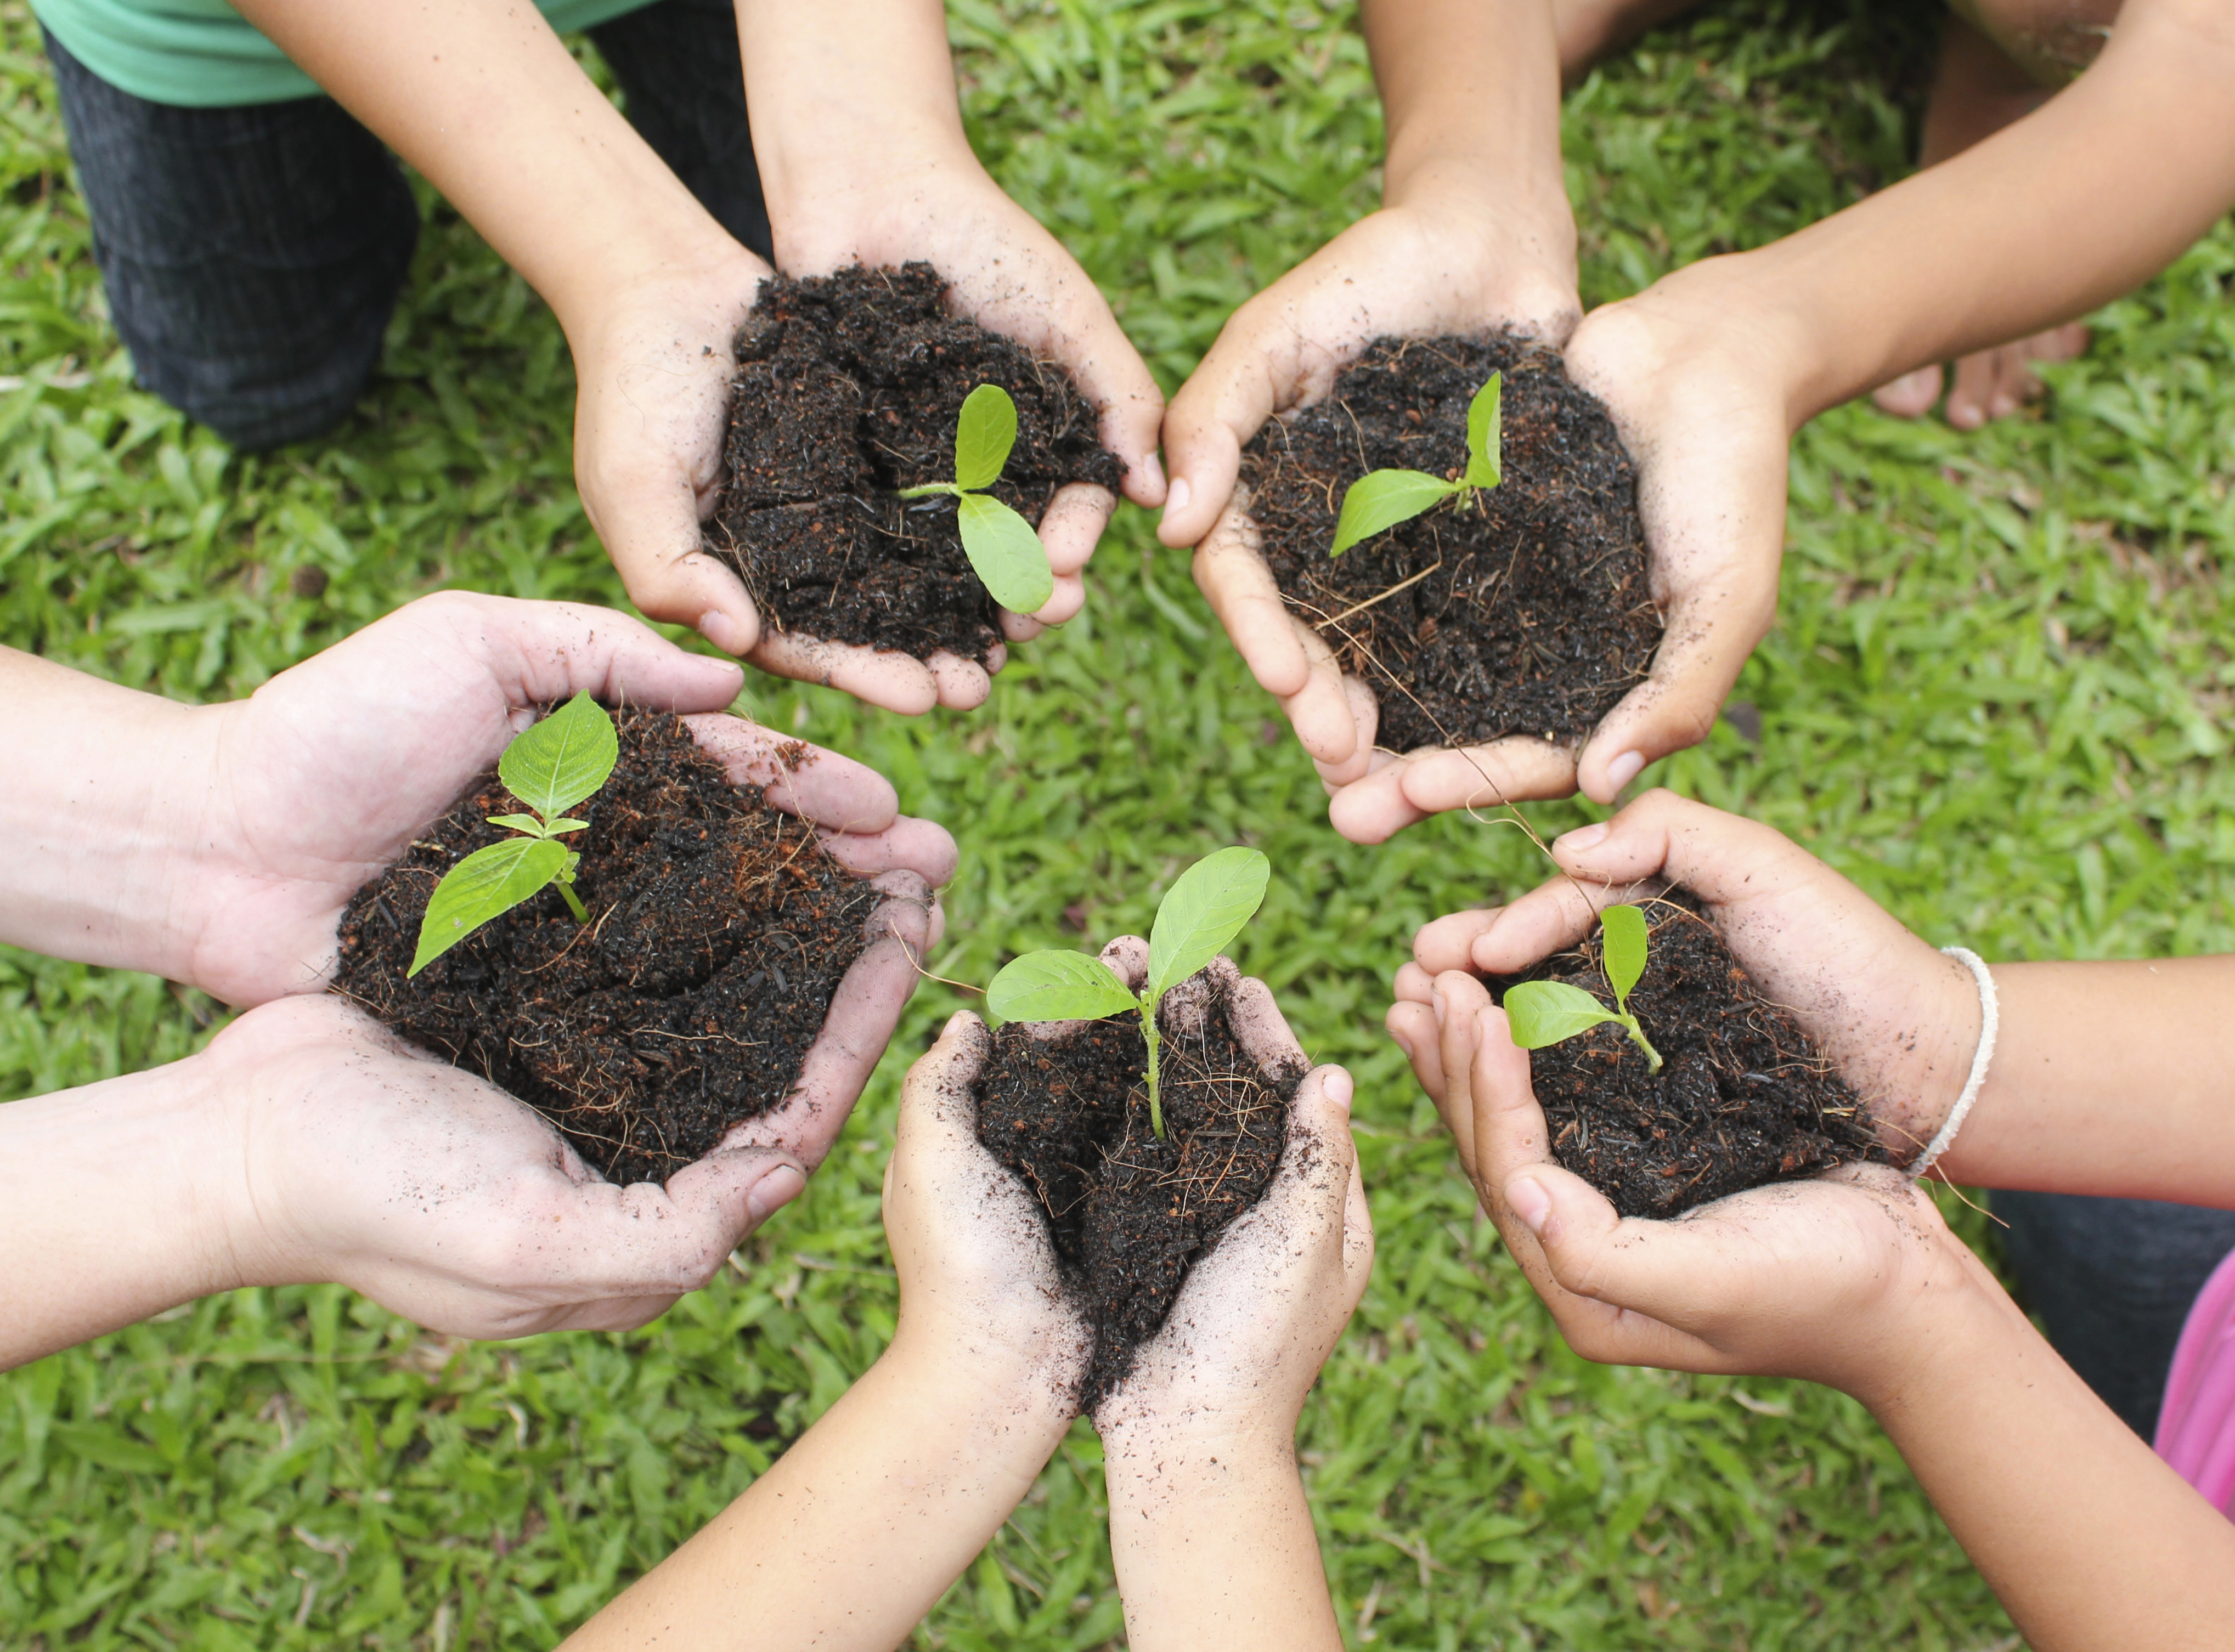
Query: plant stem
(1637, 1037)
(1151, 1037)
(574, 904)
(928, 488)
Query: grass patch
(1994, 699)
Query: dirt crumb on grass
(1530, 615)
(719, 930)
(1130, 1215)
(848, 389)
(1742, 1098)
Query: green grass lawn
(1995, 698)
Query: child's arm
(2088, 1539)
(1213, 1540)
(858, 131)
(2115, 1079)
(857, 1529)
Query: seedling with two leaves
(1380, 499)
(550, 767)
(1205, 908)
(1002, 546)
(1547, 1012)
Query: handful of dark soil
(1530, 615)
(719, 929)
(1130, 1215)
(848, 389)
(1742, 1098)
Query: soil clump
(719, 929)
(1742, 1098)
(1130, 1215)
(1527, 614)
(849, 388)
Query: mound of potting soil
(848, 389)
(1742, 1098)
(1130, 1215)
(1528, 615)
(719, 929)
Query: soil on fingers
(718, 931)
(1527, 613)
(1742, 1098)
(848, 389)
(1130, 1213)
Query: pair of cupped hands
(333, 1151)
(1697, 393)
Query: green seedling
(550, 767)
(1541, 1012)
(1204, 910)
(1001, 546)
(1381, 499)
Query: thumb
(1645, 1267)
(1224, 402)
(729, 1193)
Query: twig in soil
(915, 964)
(1361, 607)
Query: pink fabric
(2196, 1429)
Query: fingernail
(1582, 838)
(1623, 769)
(1339, 1088)
(1177, 497)
(1527, 1198)
(775, 1191)
(1402, 1042)
(719, 629)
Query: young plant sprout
(1545, 1013)
(1205, 909)
(550, 767)
(1381, 499)
(1002, 546)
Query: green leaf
(983, 436)
(1056, 986)
(554, 765)
(486, 884)
(1541, 1012)
(527, 823)
(1381, 499)
(1622, 948)
(1485, 435)
(1204, 910)
(1006, 554)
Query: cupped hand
(1829, 1280)
(980, 1291)
(352, 1158)
(1261, 1312)
(1014, 278)
(1899, 1021)
(320, 779)
(1431, 266)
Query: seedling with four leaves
(1002, 546)
(1380, 499)
(551, 767)
(1546, 1012)
(1205, 908)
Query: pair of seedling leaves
(1380, 499)
(1004, 549)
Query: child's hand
(1828, 1279)
(1259, 1314)
(1900, 1021)
(1423, 269)
(981, 1299)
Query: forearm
(2084, 200)
(2113, 1079)
(1214, 1544)
(483, 98)
(854, 1533)
(849, 99)
(1471, 96)
(2088, 1539)
(106, 788)
(102, 1219)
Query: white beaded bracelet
(1990, 1022)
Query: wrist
(1953, 1320)
(1017, 1401)
(1722, 319)
(1522, 236)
